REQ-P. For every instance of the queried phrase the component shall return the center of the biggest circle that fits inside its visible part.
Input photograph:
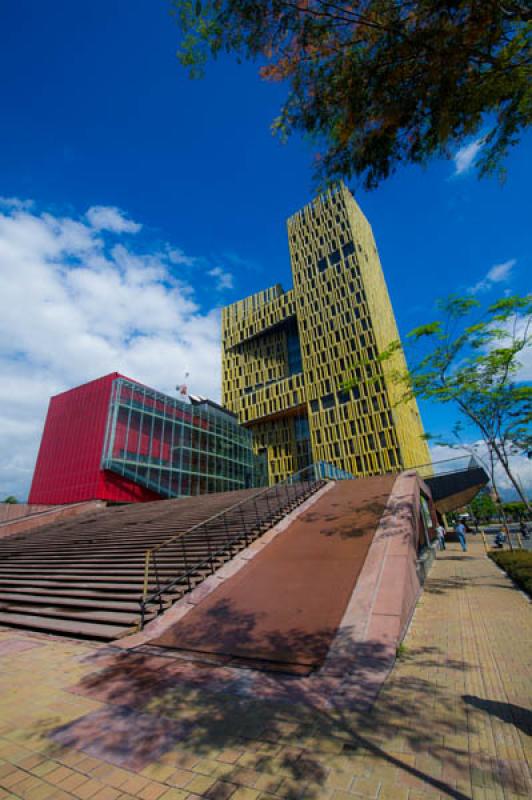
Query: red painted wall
(68, 464)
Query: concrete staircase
(84, 577)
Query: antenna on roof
(183, 388)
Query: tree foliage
(483, 506)
(473, 364)
(11, 499)
(379, 82)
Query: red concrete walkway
(283, 609)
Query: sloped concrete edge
(382, 602)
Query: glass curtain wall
(173, 448)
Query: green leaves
(473, 364)
(431, 329)
(380, 82)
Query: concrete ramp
(282, 610)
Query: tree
(483, 506)
(516, 510)
(11, 499)
(379, 82)
(473, 365)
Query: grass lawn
(518, 565)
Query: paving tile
(174, 794)
(107, 793)
(152, 791)
(220, 790)
(200, 784)
(450, 720)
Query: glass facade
(173, 448)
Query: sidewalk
(453, 720)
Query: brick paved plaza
(453, 719)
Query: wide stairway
(85, 577)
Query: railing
(445, 467)
(251, 516)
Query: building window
(327, 401)
(343, 397)
(348, 249)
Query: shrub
(518, 565)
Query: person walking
(440, 533)
(460, 531)
(523, 529)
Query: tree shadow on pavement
(284, 730)
(507, 712)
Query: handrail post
(278, 498)
(242, 519)
(159, 595)
(267, 496)
(209, 548)
(183, 548)
(228, 539)
(147, 557)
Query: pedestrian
(440, 533)
(500, 538)
(523, 529)
(460, 531)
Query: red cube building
(68, 468)
(115, 439)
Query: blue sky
(97, 113)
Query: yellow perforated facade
(287, 355)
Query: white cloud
(177, 256)
(497, 274)
(224, 278)
(464, 158)
(78, 303)
(524, 358)
(15, 202)
(520, 466)
(109, 218)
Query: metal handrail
(150, 555)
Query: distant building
(117, 440)
(287, 354)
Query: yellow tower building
(286, 355)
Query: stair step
(88, 630)
(132, 587)
(73, 592)
(102, 602)
(96, 615)
(85, 577)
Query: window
(327, 401)
(348, 249)
(322, 264)
(343, 397)
(314, 406)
